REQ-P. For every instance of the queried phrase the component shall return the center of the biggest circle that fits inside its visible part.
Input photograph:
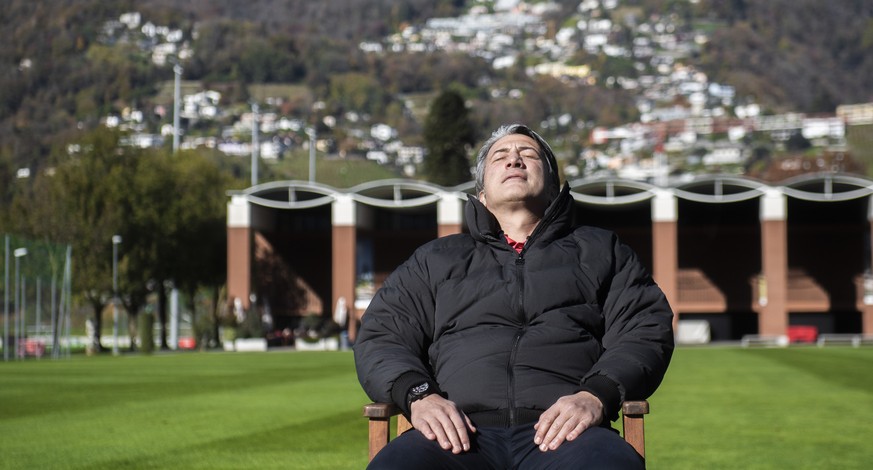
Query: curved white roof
(407, 193)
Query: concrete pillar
(865, 302)
(773, 315)
(344, 238)
(665, 252)
(239, 249)
(867, 297)
(450, 211)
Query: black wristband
(405, 383)
(607, 391)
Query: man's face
(514, 172)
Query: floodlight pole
(38, 308)
(311, 132)
(19, 253)
(177, 91)
(6, 300)
(22, 319)
(256, 144)
(116, 240)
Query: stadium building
(736, 257)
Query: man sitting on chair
(513, 346)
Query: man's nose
(515, 160)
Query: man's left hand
(569, 417)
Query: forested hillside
(57, 77)
(803, 55)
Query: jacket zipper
(519, 266)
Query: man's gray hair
(553, 183)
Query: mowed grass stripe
(762, 408)
(171, 406)
(837, 365)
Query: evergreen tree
(448, 136)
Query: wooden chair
(379, 415)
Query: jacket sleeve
(638, 333)
(392, 344)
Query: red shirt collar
(518, 246)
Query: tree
(79, 205)
(797, 142)
(202, 238)
(175, 210)
(448, 137)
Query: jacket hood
(557, 220)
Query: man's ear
(482, 198)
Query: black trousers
(510, 448)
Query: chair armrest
(632, 413)
(381, 410)
(379, 416)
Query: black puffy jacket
(504, 335)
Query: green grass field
(718, 408)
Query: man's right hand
(441, 420)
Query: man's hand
(569, 417)
(441, 420)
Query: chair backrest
(379, 415)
